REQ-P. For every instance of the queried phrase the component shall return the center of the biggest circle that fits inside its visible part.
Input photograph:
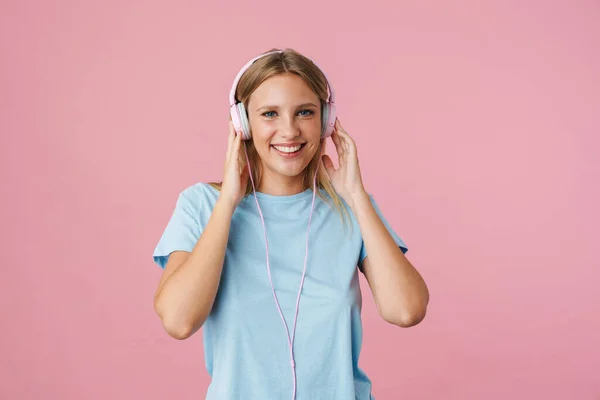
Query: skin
(284, 111)
(400, 292)
(278, 115)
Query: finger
(323, 146)
(328, 164)
(230, 140)
(242, 156)
(346, 141)
(339, 126)
(335, 138)
(240, 163)
(341, 131)
(341, 153)
(236, 148)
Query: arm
(188, 286)
(399, 291)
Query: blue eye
(310, 112)
(303, 113)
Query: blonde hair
(288, 61)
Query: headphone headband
(232, 101)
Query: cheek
(261, 133)
(261, 139)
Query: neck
(280, 187)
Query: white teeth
(287, 149)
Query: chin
(290, 167)
(288, 172)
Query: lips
(288, 150)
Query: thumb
(245, 174)
(328, 164)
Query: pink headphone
(239, 116)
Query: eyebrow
(277, 107)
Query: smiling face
(285, 120)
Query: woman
(266, 261)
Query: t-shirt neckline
(282, 198)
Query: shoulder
(200, 190)
(200, 196)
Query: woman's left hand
(346, 179)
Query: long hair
(289, 61)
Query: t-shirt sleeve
(395, 236)
(181, 233)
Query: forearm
(399, 290)
(187, 296)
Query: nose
(288, 127)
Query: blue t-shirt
(245, 342)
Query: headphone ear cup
(244, 123)
(235, 117)
(324, 119)
(328, 116)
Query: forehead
(283, 89)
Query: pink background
(477, 129)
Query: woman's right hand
(236, 172)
